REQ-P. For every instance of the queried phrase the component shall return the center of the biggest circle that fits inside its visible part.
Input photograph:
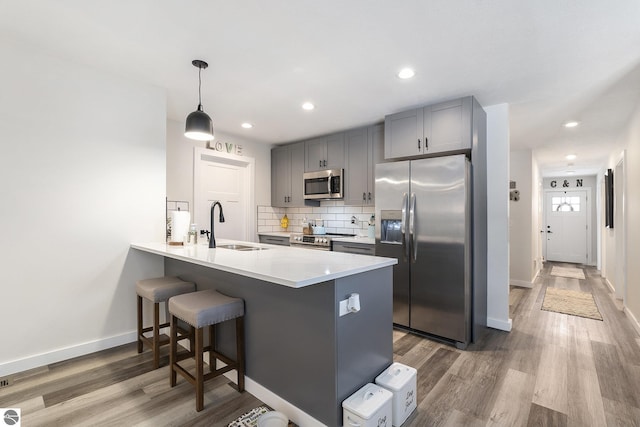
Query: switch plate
(343, 307)
(346, 308)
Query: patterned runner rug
(575, 303)
(574, 273)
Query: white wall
(180, 163)
(631, 142)
(537, 218)
(521, 256)
(498, 217)
(83, 175)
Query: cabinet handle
(426, 143)
(324, 163)
(364, 196)
(369, 198)
(319, 163)
(418, 144)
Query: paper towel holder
(173, 205)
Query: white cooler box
(368, 407)
(401, 380)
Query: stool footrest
(218, 372)
(164, 339)
(222, 357)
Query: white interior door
(566, 226)
(228, 180)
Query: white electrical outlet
(343, 307)
(350, 305)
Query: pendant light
(199, 125)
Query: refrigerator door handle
(412, 227)
(403, 225)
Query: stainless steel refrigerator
(423, 218)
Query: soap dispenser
(192, 236)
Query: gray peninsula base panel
(296, 344)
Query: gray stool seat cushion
(204, 308)
(160, 289)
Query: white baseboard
(58, 355)
(535, 276)
(633, 318)
(520, 283)
(294, 413)
(273, 400)
(503, 325)
(608, 283)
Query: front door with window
(566, 226)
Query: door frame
(203, 155)
(590, 227)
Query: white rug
(575, 303)
(574, 273)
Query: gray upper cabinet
(433, 129)
(363, 149)
(280, 176)
(447, 126)
(403, 134)
(297, 172)
(287, 168)
(326, 152)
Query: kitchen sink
(241, 247)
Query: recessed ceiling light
(247, 125)
(570, 157)
(308, 106)
(406, 73)
(570, 172)
(571, 124)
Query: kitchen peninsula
(298, 346)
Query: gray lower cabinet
(274, 240)
(363, 149)
(298, 346)
(326, 152)
(354, 248)
(432, 129)
(287, 169)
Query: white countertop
(293, 267)
(275, 233)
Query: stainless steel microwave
(326, 184)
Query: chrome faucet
(212, 240)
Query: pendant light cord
(200, 87)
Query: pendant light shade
(199, 125)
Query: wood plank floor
(552, 369)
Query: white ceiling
(551, 60)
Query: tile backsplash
(336, 216)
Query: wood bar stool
(158, 290)
(201, 309)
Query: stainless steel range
(314, 241)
